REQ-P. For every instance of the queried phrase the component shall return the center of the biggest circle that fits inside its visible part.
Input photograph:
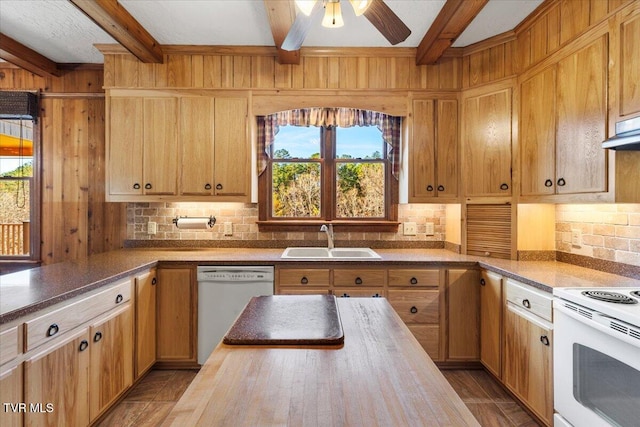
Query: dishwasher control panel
(242, 274)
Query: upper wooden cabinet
(176, 146)
(434, 150)
(486, 142)
(562, 125)
(629, 86)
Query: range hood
(627, 136)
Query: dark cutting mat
(288, 320)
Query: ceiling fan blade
(301, 26)
(387, 22)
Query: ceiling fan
(376, 11)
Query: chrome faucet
(329, 230)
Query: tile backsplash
(244, 216)
(609, 232)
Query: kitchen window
(328, 164)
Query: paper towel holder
(211, 220)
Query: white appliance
(596, 357)
(223, 292)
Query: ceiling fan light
(306, 6)
(332, 15)
(360, 6)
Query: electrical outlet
(228, 228)
(576, 237)
(409, 228)
(152, 227)
(430, 229)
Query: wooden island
(381, 376)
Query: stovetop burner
(608, 296)
(635, 293)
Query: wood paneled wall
(76, 221)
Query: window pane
(296, 189)
(14, 216)
(359, 143)
(297, 142)
(360, 190)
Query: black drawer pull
(413, 281)
(97, 337)
(544, 340)
(83, 345)
(345, 295)
(376, 296)
(136, 186)
(562, 182)
(548, 183)
(53, 329)
(218, 186)
(358, 281)
(148, 186)
(526, 303)
(440, 187)
(304, 280)
(414, 310)
(207, 186)
(482, 282)
(154, 281)
(429, 187)
(119, 298)
(504, 186)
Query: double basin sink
(345, 254)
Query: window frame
(328, 208)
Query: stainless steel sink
(345, 254)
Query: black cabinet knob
(154, 281)
(83, 345)
(119, 298)
(148, 186)
(413, 281)
(504, 186)
(562, 182)
(358, 281)
(218, 186)
(544, 340)
(136, 186)
(429, 187)
(53, 329)
(304, 280)
(414, 310)
(207, 186)
(482, 282)
(548, 183)
(440, 187)
(97, 337)
(526, 303)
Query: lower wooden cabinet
(177, 315)
(463, 315)
(11, 392)
(491, 322)
(145, 349)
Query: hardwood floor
(149, 402)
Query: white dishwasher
(223, 292)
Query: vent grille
(580, 311)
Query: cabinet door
(487, 144)
(582, 115)
(196, 140)
(145, 322)
(491, 321)
(125, 145)
(232, 157)
(538, 133)
(176, 316)
(58, 381)
(629, 90)
(463, 315)
(111, 370)
(423, 147)
(11, 392)
(160, 146)
(528, 363)
(447, 148)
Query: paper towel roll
(192, 223)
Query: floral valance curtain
(268, 127)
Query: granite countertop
(28, 291)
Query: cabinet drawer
(303, 277)
(359, 293)
(419, 306)
(55, 323)
(418, 277)
(351, 277)
(9, 344)
(533, 300)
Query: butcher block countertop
(381, 376)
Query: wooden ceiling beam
(119, 24)
(281, 16)
(454, 17)
(26, 58)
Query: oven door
(596, 372)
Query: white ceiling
(59, 31)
